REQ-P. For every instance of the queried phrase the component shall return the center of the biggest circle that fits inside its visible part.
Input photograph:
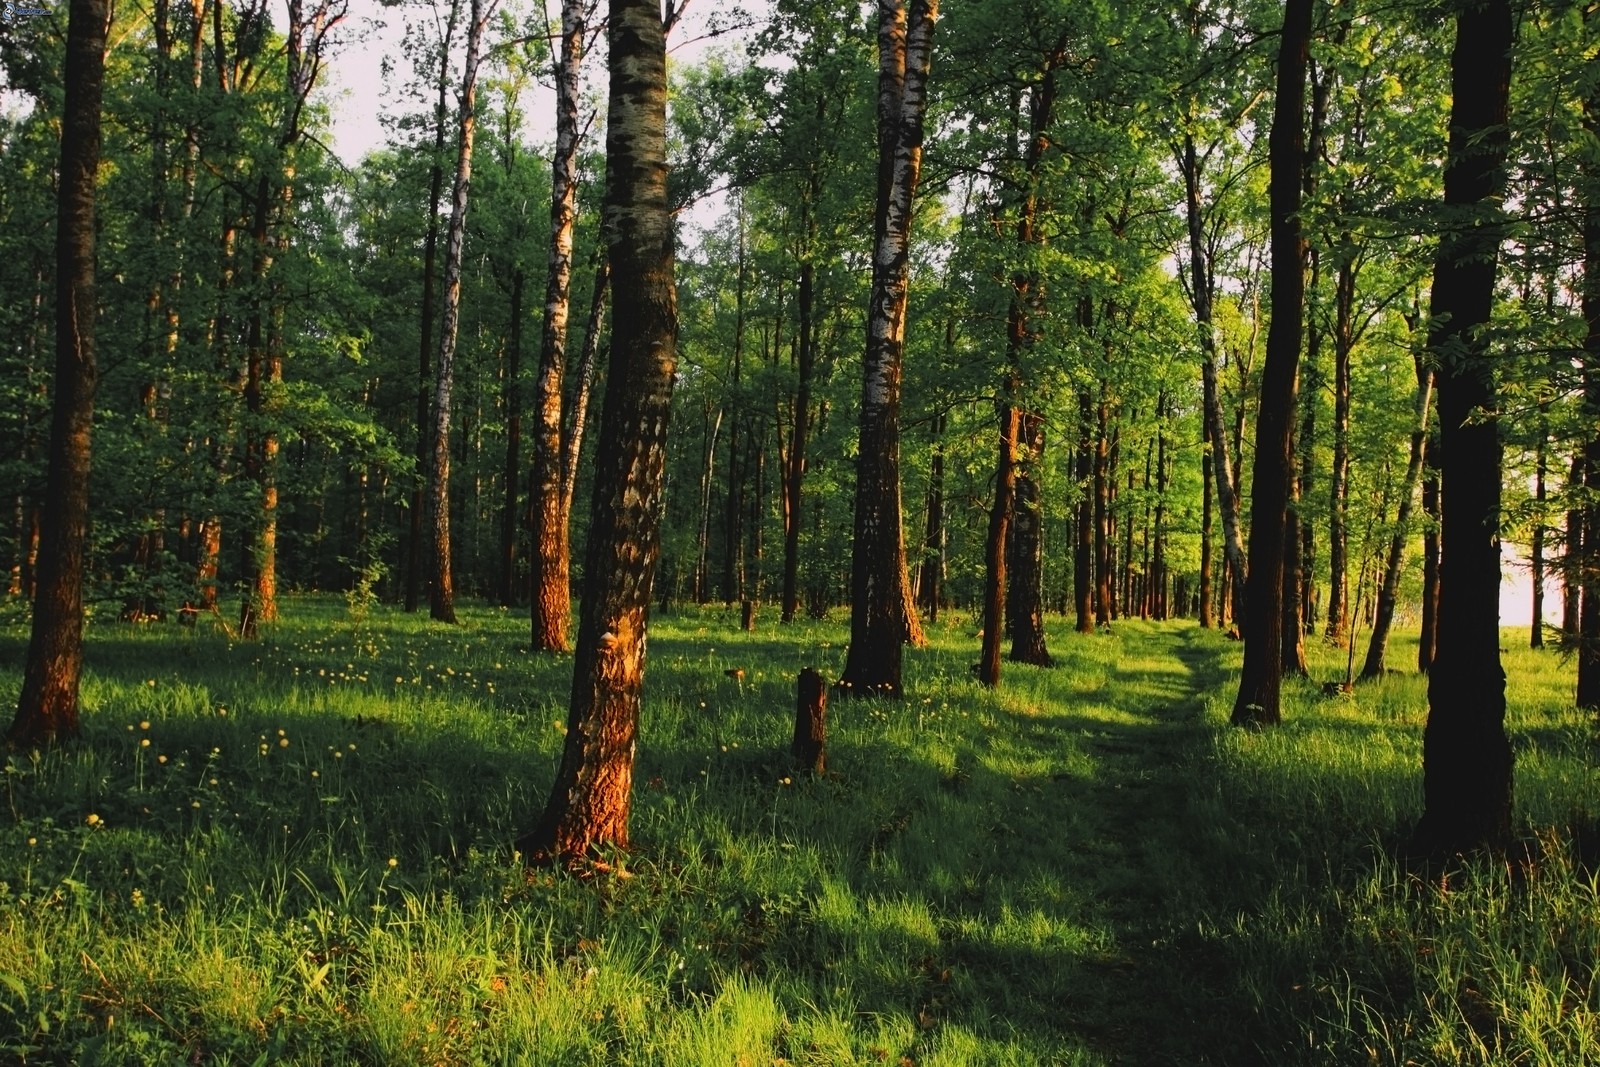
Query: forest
(1066, 458)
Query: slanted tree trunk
(590, 800)
(47, 710)
(882, 616)
(551, 550)
(733, 513)
(1259, 683)
(441, 590)
(588, 368)
(1389, 590)
(1466, 758)
(1428, 639)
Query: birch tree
(882, 617)
(590, 800)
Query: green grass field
(297, 851)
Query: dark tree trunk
(441, 589)
(1338, 631)
(47, 710)
(1206, 534)
(1005, 482)
(591, 798)
(1026, 592)
(809, 748)
(1257, 703)
(882, 617)
(1083, 546)
(1466, 758)
(416, 554)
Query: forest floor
(297, 851)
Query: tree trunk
(551, 551)
(809, 748)
(511, 470)
(733, 515)
(1571, 570)
(1207, 535)
(1466, 758)
(930, 589)
(1083, 544)
(1536, 623)
(882, 617)
(994, 584)
(1026, 593)
(794, 470)
(1310, 395)
(590, 800)
(416, 557)
(702, 555)
(1338, 630)
(1259, 683)
(47, 710)
(441, 591)
(1201, 287)
(1389, 590)
(1428, 639)
(588, 369)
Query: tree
(47, 710)
(441, 598)
(882, 616)
(552, 600)
(591, 797)
(1466, 757)
(1259, 684)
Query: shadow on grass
(1031, 868)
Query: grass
(297, 851)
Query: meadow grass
(298, 851)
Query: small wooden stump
(811, 722)
(747, 618)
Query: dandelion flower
(144, 742)
(393, 861)
(92, 819)
(283, 742)
(145, 724)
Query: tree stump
(811, 722)
(747, 617)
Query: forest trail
(1152, 998)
